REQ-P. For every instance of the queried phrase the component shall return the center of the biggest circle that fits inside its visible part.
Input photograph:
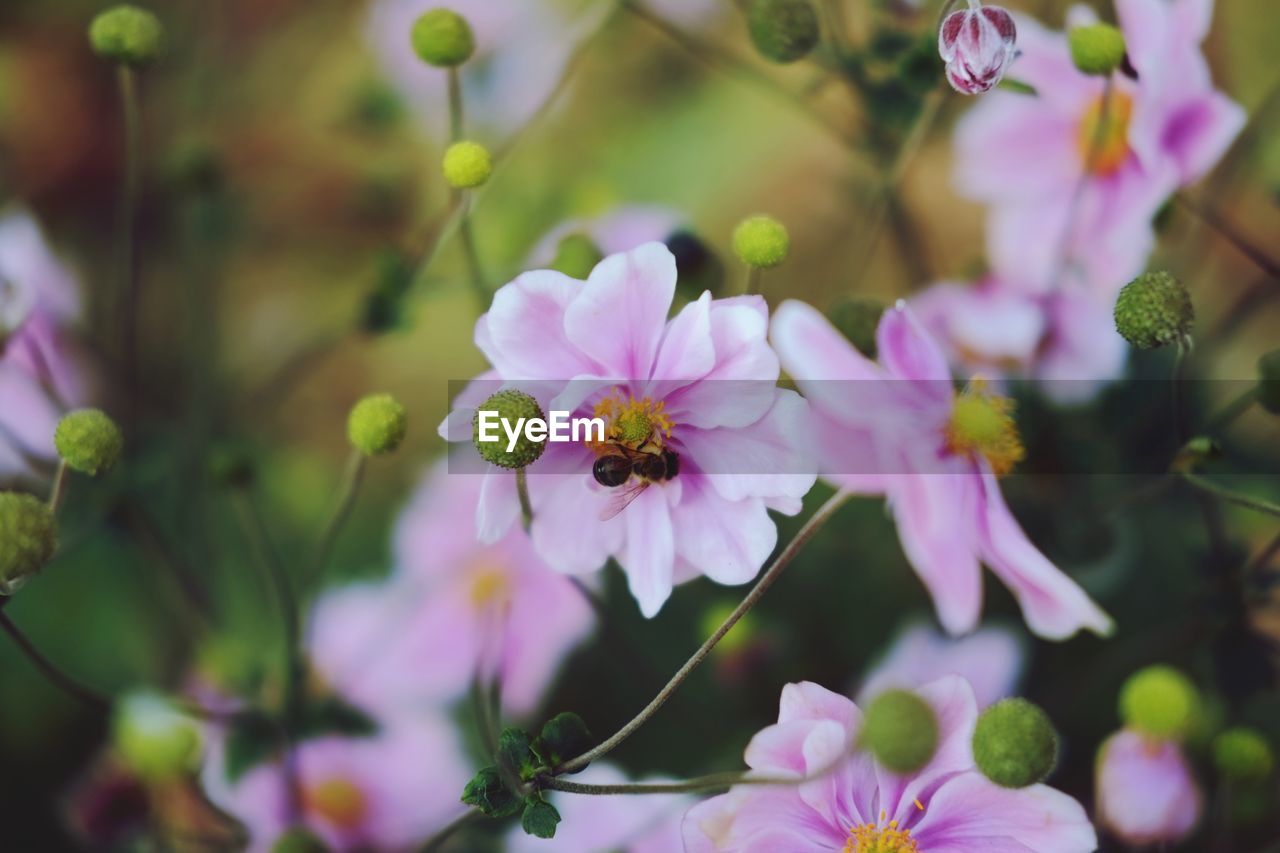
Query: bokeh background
(286, 189)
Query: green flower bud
(1014, 744)
(1243, 755)
(442, 37)
(761, 241)
(299, 841)
(1097, 48)
(127, 35)
(783, 30)
(89, 441)
(467, 165)
(857, 320)
(540, 818)
(576, 256)
(510, 406)
(28, 539)
(1269, 382)
(1154, 310)
(153, 737)
(1159, 701)
(377, 424)
(900, 730)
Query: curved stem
(1230, 495)
(526, 506)
(49, 669)
(59, 491)
(350, 488)
(815, 522)
(128, 234)
(475, 272)
(455, 105)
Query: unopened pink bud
(977, 44)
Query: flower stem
(49, 669)
(127, 248)
(350, 488)
(1231, 234)
(1230, 495)
(526, 507)
(474, 270)
(752, 287)
(815, 522)
(59, 491)
(455, 106)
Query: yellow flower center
(880, 838)
(1104, 133)
(982, 424)
(337, 801)
(489, 586)
(634, 423)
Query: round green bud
(1269, 382)
(28, 538)
(442, 37)
(88, 441)
(1097, 48)
(761, 241)
(783, 30)
(377, 424)
(299, 841)
(857, 320)
(900, 730)
(510, 406)
(153, 737)
(576, 256)
(1243, 755)
(1154, 310)
(1159, 701)
(467, 165)
(127, 35)
(1014, 744)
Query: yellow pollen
(1104, 134)
(982, 423)
(634, 423)
(489, 585)
(337, 801)
(880, 837)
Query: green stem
(350, 488)
(59, 491)
(1230, 495)
(815, 522)
(127, 247)
(49, 669)
(455, 106)
(526, 507)
(474, 269)
(752, 287)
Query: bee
(614, 470)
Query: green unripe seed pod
(28, 538)
(88, 441)
(377, 424)
(901, 730)
(1097, 49)
(783, 30)
(443, 38)
(127, 35)
(1014, 744)
(1159, 701)
(153, 737)
(761, 242)
(467, 165)
(509, 406)
(1154, 310)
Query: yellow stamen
(982, 424)
(489, 585)
(634, 423)
(1103, 138)
(880, 837)
(337, 801)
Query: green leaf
(514, 752)
(487, 793)
(563, 737)
(539, 818)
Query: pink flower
(946, 807)
(454, 610)
(41, 369)
(898, 428)
(1146, 792)
(701, 386)
(1065, 339)
(382, 792)
(977, 44)
(990, 659)
(619, 823)
(1074, 177)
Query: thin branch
(1230, 495)
(50, 670)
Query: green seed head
(783, 30)
(28, 538)
(761, 241)
(127, 35)
(1097, 48)
(1014, 744)
(857, 320)
(153, 737)
(1243, 755)
(900, 730)
(89, 441)
(442, 37)
(467, 165)
(1154, 310)
(1159, 701)
(377, 424)
(510, 407)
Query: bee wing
(622, 498)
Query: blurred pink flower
(42, 371)
(946, 806)
(1145, 790)
(1064, 339)
(1074, 178)
(454, 610)
(620, 823)
(382, 792)
(620, 230)
(702, 384)
(990, 659)
(898, 428)
(977, 44)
